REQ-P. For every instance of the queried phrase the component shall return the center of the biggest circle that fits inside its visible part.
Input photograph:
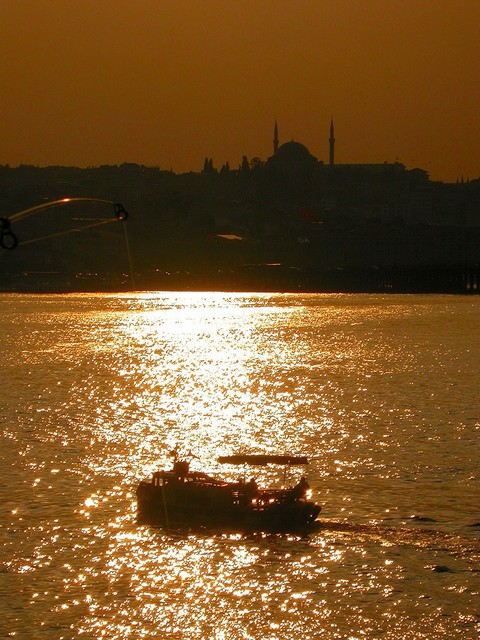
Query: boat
(180, 497)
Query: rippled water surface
(382, 392)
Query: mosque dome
(294, 152)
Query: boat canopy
(259, 459)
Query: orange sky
(166, 83)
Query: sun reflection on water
(198, 376)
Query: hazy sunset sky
(166, 83)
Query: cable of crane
(9, 241)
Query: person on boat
(300, 490)
(251, 489)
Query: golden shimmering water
(382, 394)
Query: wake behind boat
(182, 497)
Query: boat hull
(220, 507)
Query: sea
(381, 392)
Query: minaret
(332, 144)
(275, 139)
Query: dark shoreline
(432, 279)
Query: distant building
(294, 158)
